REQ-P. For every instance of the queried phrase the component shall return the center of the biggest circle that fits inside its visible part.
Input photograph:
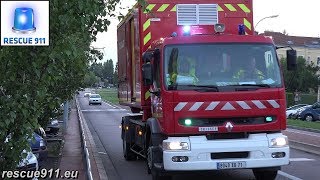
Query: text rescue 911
(24, 41)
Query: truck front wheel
(265, 174)
(127, 153)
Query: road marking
(134, 114)
(110, 105)
(102, 153)
(288, 175)
(102, 110)
(304, 132)
(301, 159)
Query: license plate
(214, 128)
(231, 165)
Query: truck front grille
(203, 122)
(230, 155)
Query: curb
(90, 145)
(305, 147)
(304, 129)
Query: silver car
(95, 99)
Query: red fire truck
(206, 92)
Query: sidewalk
(303, 140)
(72, 155)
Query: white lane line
(102, 110)
(134, 114)
(102, 153)
(300, 159)
(288, 175)
(303, 132)
(109, 104)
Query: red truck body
(237, 111)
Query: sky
(295, 17)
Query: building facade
(306, 47)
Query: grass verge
(110, 95)
(304, 124)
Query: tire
(308, 117)
(100, 104)
(155, 173)
(290, 116)
(127, 153)
(261, 174)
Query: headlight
(176, 145)
(279, 142)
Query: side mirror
(147, 74)
(156, 54)
(147, 56)
(291, 60)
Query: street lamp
(273, 16)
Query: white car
(30, 163)
(95, 99)
(292, 111)
(87, 94)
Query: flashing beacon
(23, 20)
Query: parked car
(310, 113)
(52, 128)
(95, 99)
(30, 163)
(39, 147)
(292, 111)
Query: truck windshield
(236, 64)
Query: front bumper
(199, 155)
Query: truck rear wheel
(127, 153)
(265, 174)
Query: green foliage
(305, 99)
(110, 95)
(103, 71)
(304, 124)
(115, 75)
(35, 80)
(303, 78)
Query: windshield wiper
(211, 87)
(253, 85)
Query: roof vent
(197, 14)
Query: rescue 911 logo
(24, 23)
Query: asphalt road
(104, 121)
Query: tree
(115, 75)
(34, 80)
(306, 76)
(108, 70)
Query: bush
(305, 99)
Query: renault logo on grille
(229, 126)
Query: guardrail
(84, 143)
